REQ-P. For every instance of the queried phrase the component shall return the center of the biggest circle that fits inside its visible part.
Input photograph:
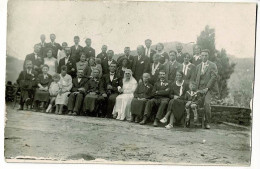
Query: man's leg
(207, 110)
(78, 103)
(110, 105)
(148, 110)
(162, 106)
(71, 103)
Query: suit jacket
(195, 62)
(105, 65)
(190, 76)
(143, 91)
(75, 53)
(93, 85)
(76, 85)
(71, 66)
(161, 90)
(87, 71)
(43, 49)
(152, 52)
(27, 81)
(140, 66)
(180, 57)
(117, 81)
(35, 61)
(89, 52)
(130, 61)
(54, 48)
(208, 79)
(102, 56)
(171, 70)
(155, 77)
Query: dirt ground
(57, 138)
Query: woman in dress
(64, 91)
(43, 82)
(160, 50)
(51, 62)
(53, 90)
(121, 69)
(176, 106)
(123, 101)
(82, 64)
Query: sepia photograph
(129, 82)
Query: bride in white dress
(121, 109)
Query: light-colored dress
(65, 85)
(61, 54)
(52, 63)
(54, 89)
(123, 101)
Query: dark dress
(43, 95)
(142, 91)
(177, 106)
(163, 57)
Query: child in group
(194, 100)
(53, 90)
(81, 65)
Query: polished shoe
(207, 126)
(163, 120)
(143, 121)
(169, 126)
(155, 123)
(137, 120)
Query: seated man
(77, 93)
(160, 99)
(27, 84)
(94, 94)
(142, 94)
(111, 83)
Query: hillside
(13, 67)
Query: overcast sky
(129, 24)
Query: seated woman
(142, 93)
(95, 94)
(81, 65)
(176, 106)
(121, 110)
(42, 94)
(65, 87)
(51, 62)
(53, 90)
(121, 69)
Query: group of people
(154, 85)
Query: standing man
(129, 57)
(88, 50)
(172, 66)
(76, 49)
(188, 68)
(43, 46)
(196, 59)
(36, 58)
(160, 100)
(180, 56)
(69, 62)
(141, 63)
(148, 51)
(111, 83)
(107, 62)
(103, 54)
(53, 45)
(206, 79)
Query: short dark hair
(162, 70)
(205, 50)
(179, 71)
(148, 40)
(64, 68)
(161, 44)
(76, 37)
(173, 51)
(45, 65)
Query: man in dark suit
(188, 68)
(43, 45)
(172, 66)
(196, 59)
(180, 56)
(129, 57)
(69, 62)
(103, 54)
(106, 62)
(27, 84)
(206, 79)
(54, 46)
(148, 51)
(88, 50)
(156, 66)
(160, 100)
(36, 58)
(111, 83)
(77, 94)
(141, 63)
(76, 49)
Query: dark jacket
(75, 53)
(54, 48)
(117, 81)
(140, 66)
(89, 52)
(76, 85)
(143, 91)
(105, 65)
(155, 77)
(102, 56)
(27, 81)
(71, 66)
(180, 57)
(93, 85)
(161, 90)
(44, 82)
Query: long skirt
(62, 98)
(122, 106)
(138, 106)
(177, 107)
(41, 95)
